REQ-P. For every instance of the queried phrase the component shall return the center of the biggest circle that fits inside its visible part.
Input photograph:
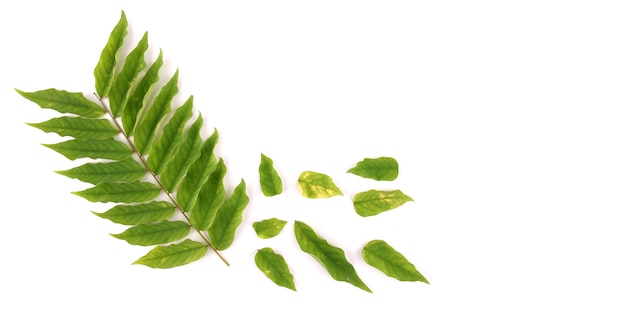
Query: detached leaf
(380, 255)
(105, 69)
(271, 184)
(137, 99)
(332, 258)
(95, 149)
(174, 255)
(210, 199)
(155, 211)
(373, 202)
(120, 192)
(65, 102)
(133, 65)
(78, 127)
(274, 267)
(155, 234)
(228, 218)
(269, 228)
(317, 185)
(121, 171)
(381, 169)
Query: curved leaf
(274, 267)
(137, 99)
(133, 65)
(105, 69)
(147, 127)
(317, 185)
(228, 218)
(197, 175)
(155, 234)
(65, 102)
(121, 171)
(155, 211)
(373, 202)
(187, 153)
(95, 149)
(381, 169)
(269, 228)
(380, 255)
(210, 199)
(120, 192)
(332, 258)
(78, 127)
(174, 255)
(271, 184)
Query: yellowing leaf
(380, 255)
(274, 267)
(317, 185)
(268, 228)
(381, 169)
(373, 202)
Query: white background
(507, 121)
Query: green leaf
(332, 258)
(269, 228)
(228, 218)
(381, 169)
(186, 154)
(133, 65)
(210, 199)
(78, 127)
(373, 202)
(274, 267)
(120, 192)
(105, 69)
(64, 102)
(155, 234)
(197, 175)
(155, 211)
(95, 149)
(147, 127)
(271, 184)
(380, 255)
(317, 185)
(121, 171)
(138, 98)
(174, 255)
(164, 146)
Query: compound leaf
(275, 267)
(64, 102)
(210, 199)
(154, 211)
(269, 228)
(332, 258)
(380, 255)
(95, 149)
(105, 69)
(228, 218)
(174, 255)
(317, 185)
(120, 192)
(381, 169)
(78, 127)
(127, 170)
(271, 184)
(133, 65)
(154, 234)
(373, 202)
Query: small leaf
(228, 218)
(137, 99)
(155, 234)
(64, 102)
(121, 171)
(381, 169)
(133, 65)
(271, 184)
(155, 211)
(174, 255)
(105, 69)
(197, 175)
(274, 267)
(147, 127)
(380, 255)
(78, 127)
(332, 258)
(373, 202)
(95, 149)
(120, 192)
(186, 154)
(269, 228)
(317, 185)
(210, 199)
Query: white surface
(507, 121)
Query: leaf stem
(158, 180)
